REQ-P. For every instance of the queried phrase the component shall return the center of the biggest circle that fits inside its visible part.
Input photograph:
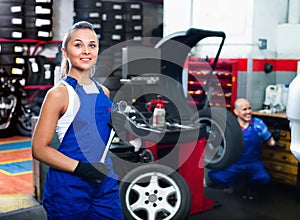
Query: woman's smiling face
(82, 49)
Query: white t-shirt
(67, 118)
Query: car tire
(154, 191)
(23, 119)
(225, 140)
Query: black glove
(276, 134)
(94, 172)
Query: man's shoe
(249, 195)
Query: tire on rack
(225, 141)
(23, 119)
(154, 191)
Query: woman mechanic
(78, 108)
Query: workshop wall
(248, 24)
(252, 84)
(257, 32)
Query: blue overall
(249, 166)
(67, 196)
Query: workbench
(279, 161)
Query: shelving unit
(28, 42)
(224, 77)
(25, 76)
(35, 45)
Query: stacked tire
(26, 19)
(133, 20)
(12, 75)
(39, 77)
(12, 62)
(114, 22)
(89, 11)
(38, 19)
(12, 19)
(34, 70)
(40, 71)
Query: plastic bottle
(284, 96)
(159, 116)
(159, 113)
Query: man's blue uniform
(67, 196)
(249, 165)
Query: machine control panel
(145, 80)
(142, 80)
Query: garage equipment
(159, 112)
(273, 98)
(293, 114)
(163, 179)
(180, 147)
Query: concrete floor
(276, 202)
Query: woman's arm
(54, 105)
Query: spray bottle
(159, 113)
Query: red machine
(161, 169)
(191, 159)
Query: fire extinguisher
(159, 113)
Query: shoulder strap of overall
(71, 81)
(98, 85)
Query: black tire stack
(38, 19)
(12, 74)
(89, 11)
(113, 31)
(12, 62)
(133, 20)
(12, 19)
(25, 77)
(114, 22)
(40, 77)
(40, 70)
(26, 19)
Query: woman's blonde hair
(65, 66)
